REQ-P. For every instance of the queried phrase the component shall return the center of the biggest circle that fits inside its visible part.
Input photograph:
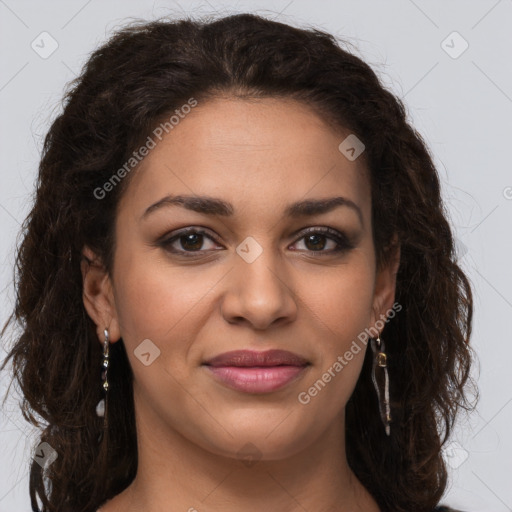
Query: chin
(263, 440)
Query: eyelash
(343, 243)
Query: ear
(385, 283)
(98, 295)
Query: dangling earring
(101, 408)
(380, 380)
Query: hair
(142, 74)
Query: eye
(189, 240)
(192, 240)
(317, 240)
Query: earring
(101, 408)
(380, 378)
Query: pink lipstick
(257, 372)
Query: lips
(257, 372)
(249, 358)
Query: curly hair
(142, 73)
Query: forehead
(257, 152)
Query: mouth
(257, 372)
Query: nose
(259, 293)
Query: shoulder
(445, 509)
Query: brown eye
(315, 242)
(325, 241)
(192, 242)
(188, 241)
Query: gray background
(462, 106)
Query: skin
(298, 295)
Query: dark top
(437, 509)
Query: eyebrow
(215, 206)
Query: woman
(237, 286)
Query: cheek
(342, 298)
(149, 298)
(162, 302)
(341, 311)
(339, 304)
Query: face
(269, 265)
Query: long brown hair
(142, 74)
